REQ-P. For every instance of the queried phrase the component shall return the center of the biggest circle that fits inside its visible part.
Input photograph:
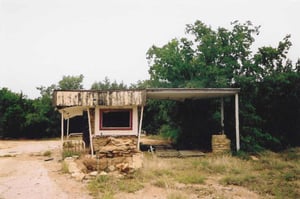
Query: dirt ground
(26, 173)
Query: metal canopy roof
(76, 101)
(181, 94)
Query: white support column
(237, 125)
(62, 130)
(90, 133)
(68, 127)
(222, 115)
(140, 127)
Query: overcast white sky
(42, 40)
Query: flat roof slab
(181, 94)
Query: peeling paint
(99, 98)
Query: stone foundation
(220, 144)
(116, 153)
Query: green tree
(41, 119)
(26, 118)
(107, 84)
(12, 113)
(71, 82)
(212, 59)
(47, 91)
(224, 58)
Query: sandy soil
(24, 173)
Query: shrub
(169, 132)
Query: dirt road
(24, 173)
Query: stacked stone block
(116, 153)
(220, 144)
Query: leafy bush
(169, 132)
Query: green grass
(190, 178)
(160, 183)
(110, 185)
(240, 180)
(67, 153)
(273, 175)
(129, 185)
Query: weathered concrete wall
(99, 98)
(220, 144)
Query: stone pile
(73, 169)
(116, 154)
(220, 144)
(123, 146)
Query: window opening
(118, 119)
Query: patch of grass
(162, 172)
(110, 185)
(160, 183)
(240, 180)
(102, 184)
(204, 163)
(292, 154)
(190, 178)
(290, 176)
(163, 182)
(242, 155)
(107, 195)
(67, 153)
(277, 176)
(223, 165)
(47, 153)
(272, 176)
(129, 185)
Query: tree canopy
(37, 118)
(268, 79)
(107, 84)
(71, 82)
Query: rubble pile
(116, 154)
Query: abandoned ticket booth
(112, 117)
(115, 116)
